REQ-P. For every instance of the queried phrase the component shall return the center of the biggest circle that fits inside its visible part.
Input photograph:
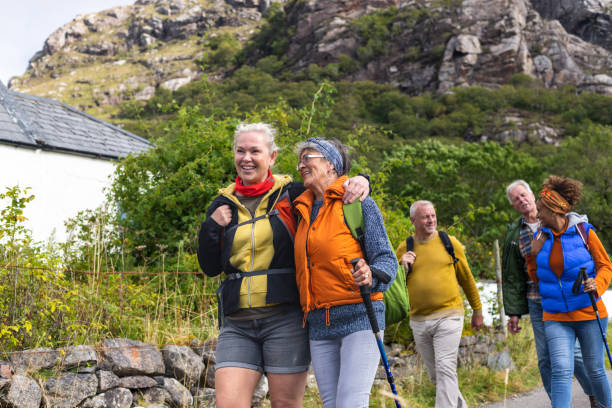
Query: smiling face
(424, 221)
(522, 200)
(252, 157)
(315, 171)
(546, 216)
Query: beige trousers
(437, 342)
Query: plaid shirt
(525, 237)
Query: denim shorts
(276, 344)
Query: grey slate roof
(42, 123)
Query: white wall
(63, 184)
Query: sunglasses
(306, 158)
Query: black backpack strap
(448, 245)
(409, 247)
(409, 243)
(272, 271)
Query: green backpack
(397, 304)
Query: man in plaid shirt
(520, 293)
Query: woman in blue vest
(248, 235)
(565, 244)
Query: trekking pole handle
(365, 291)
(584, 276)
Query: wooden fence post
(498, 279)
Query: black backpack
(448, 245)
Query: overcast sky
(26, 24)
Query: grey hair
(514, 184)
(417, 204)
(268, 131)
(343, 149)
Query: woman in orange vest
(344, 352)
(248, 234)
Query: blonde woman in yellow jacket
(248, 235)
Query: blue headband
(330, 152)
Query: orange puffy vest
(323, 252)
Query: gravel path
(537, 398)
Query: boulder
(180, 396)
(176, 83)
(137, 382)
(261, 390)
(204, 397)
(155, 395)
(107, 380)
(115, 398)
(6, 370)
(132, 357)
(183, 364)
(34, 360)
(23, 392)
(500, 361)
(69, 389)
(79, 357)
(145, 94)
(206, 350)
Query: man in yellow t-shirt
(436, 306)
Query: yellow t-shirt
(433, 284)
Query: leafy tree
(466, 182)
(162, 194)
(221, 50)
(587, 158)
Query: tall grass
(45, 301)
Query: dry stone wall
(124, 373)
(121, 373)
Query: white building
(64, 155)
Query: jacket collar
(279, 182)
(334, 191)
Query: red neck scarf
(255, 190)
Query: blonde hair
(268, 131)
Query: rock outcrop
(433, 48)
(590, 20)
(127, 53)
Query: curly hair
(569, 189)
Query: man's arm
(467, 282)
(514, 280)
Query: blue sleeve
(378, 250)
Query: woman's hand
(590, 286)
(362, 273)
(357, 187)
(222, 215)
(537, 243)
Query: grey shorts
(277, 344)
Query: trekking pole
(367, 301)
(582, 276)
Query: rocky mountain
(126, 53)
(436, 45)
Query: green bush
(587, 158)
(221, 50)
(466, 182)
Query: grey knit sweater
(347, 319)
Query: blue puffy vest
(557, 296)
